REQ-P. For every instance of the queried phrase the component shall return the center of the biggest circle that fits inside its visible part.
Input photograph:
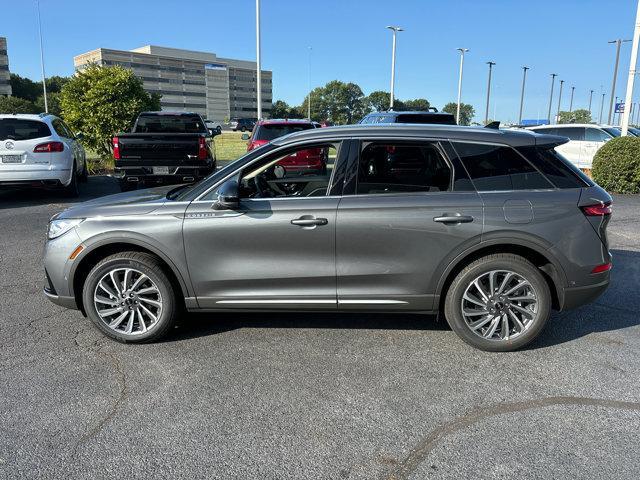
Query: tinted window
(394, 168)
(494, 167)
(546, 131)
(18, 129)
(596, 135)
(275, 130)
(60, 129)
(555, 167)
(572, 133)
(433, 118)
(170, 124)
(614, 132)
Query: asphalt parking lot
(314, 395)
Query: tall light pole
(601, 107)
(524, 79)
(395, 30)
(309, 85)
(615, 75)
(559, 100)
(44, 83)
(590, 98)
(571, 101)
(553, 80)
(258, 64)
(462, 52)
(486, 113)
(632, 73)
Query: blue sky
(350, 43)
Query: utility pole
(395, 30)
(486, 113)
(309, 86)
(615, 75)
(559, 100)
(632, 73)
(571, 101)
(524, 79)
(462, 52)
(553, 79)
(44, 83)
(258, 65)
(601, 107)
(590, 98)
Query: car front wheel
(498, 303)
(130, 298)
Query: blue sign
(619, 107)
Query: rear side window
(546, 131)
(572, 133)
(495, 167)
(400, 168)
(19, 129)
(561, 172)
(170, 124)
(275, 130)
(435, 118)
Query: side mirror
(228, 196)
(245, 136)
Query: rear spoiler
(493, 125)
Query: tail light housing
(202, 149)
(255, 144)
(597, 210)
(605, 267)
(116, 148)
(49, 147)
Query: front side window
(497, 167)
(575, 134)
(387, 167)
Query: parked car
(309, 161)
(490, 229)
(433, 117)
(164, 148)
(584, 140)
(215, 128)
(40, 150)
(242, 124)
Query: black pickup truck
(164, 148)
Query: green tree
(17, 105)
(419, 104)
(577, 116)
(26, 88)
(55, 83)
(100, 101)
(378, 101)
(279, 109)
(53, 102)
(466, 111)
(338, 102)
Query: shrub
(616, 166)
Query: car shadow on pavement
(97, 186)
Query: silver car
(489, 229)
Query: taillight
(49, 147)
(116, 148)
(202, 149)
(605, 267)
(598, 210)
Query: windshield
(170, 124)
(275, 130)
(614, 132)
(20, 129)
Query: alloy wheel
(128, 301)
(499, 305)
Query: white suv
(584, 140)
(40, 150)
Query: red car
(313, 160)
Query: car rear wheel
(84, 176)
(243, 129)
(498, 303)
(130, 298)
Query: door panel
(256, 258)
(388, 247)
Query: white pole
(309, 87)
(462, 52)
(258, 65)
(632, 74)
(44, 84)
(394, 30)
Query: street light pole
(258, 64)
(559, 100)
(615, 75)
(601, 107)
(44, 83)
(553, 79)
(462, 52)
(486, 113)
(524, 79)
(309, 86)
(571, 101)
(632, 74)
(590, 98)
(395, 30)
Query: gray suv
(491, 229)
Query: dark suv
(435, 117)
(490, 229)
(242, 124)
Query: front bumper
(66, 302)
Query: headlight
(62, 226)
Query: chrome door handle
(453, 219)
(309, 222)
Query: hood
(137, 202)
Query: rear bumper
(577, 296)
(49, 176)
(177, 174)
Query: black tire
(243, 129)
(72, 190)
(219, 129)
(149, 266)
(84, 176)
(501, 261)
